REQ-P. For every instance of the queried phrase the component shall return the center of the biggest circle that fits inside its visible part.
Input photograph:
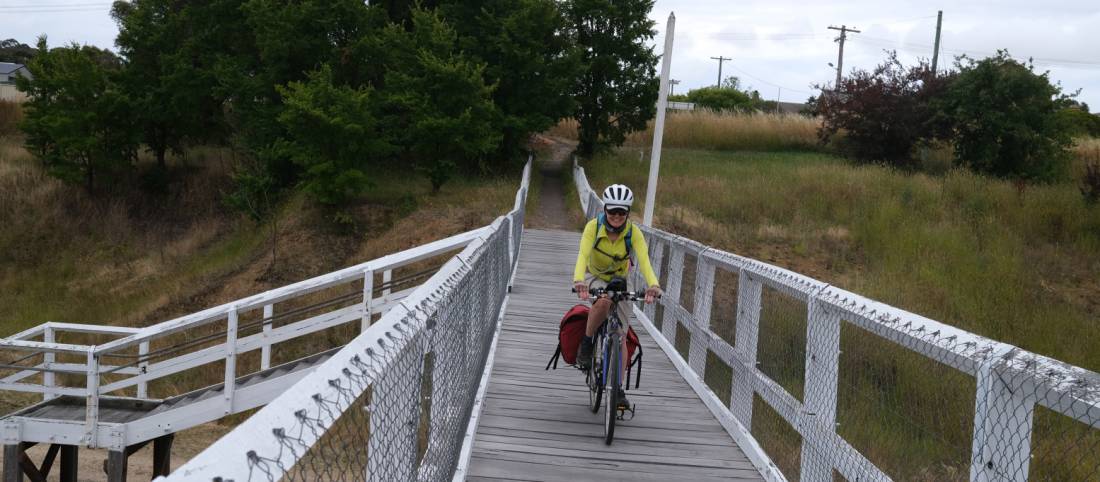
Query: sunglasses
(617, 212)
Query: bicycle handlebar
(616, 295)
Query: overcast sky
(779, 47)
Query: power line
(773, 84)
(925, 48)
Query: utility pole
(936, 49)
(840, 58)
(659, 123)
(720, 59)
(672, 87)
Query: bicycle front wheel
(595, 383)
(611, 408)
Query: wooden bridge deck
(535, 424)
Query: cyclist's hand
(652, 293)
(581, 289)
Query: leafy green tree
(528, 58)
(616, 91)
(166, 77)
(77, 121)
(1004, 118)
(1077, 121)
(720, 99)
(436, 104)
(332, 134)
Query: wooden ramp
(535, 424)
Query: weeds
(11, 113)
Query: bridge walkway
(535, 424)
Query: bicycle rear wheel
(611, 408)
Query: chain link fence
(835, 386)
(395, 403)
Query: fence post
(368, 300)
(91, 409)
(230, 360)
(387, 276)
(48, 360)
(822, 365)
(657, 245)
(143, 366)
(744, 348)
(671, 298)
(265, 347)
(704, 294)
(1003, 419)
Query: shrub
(883, 113)
(1004, 119)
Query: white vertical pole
(659, 124)
(230, 360)
(143, 366)
(368, 300)
(48, 360)
(265, 348)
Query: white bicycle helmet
(617, 195)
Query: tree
(166, 77)
(77, 120)
(616, 91)
(436, 104)
(332, 135)
(883, 113)
(528, 59)
(721, 99)
(1004, 119)
(13, 51)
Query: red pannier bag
(571, 332)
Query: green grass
(1015, 263)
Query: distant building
(791, 107)
(8, 73)
(681, 105)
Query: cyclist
(603, 255)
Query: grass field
(1012, 262)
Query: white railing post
(822, 365)
(368, 300)
(744, 348)
(91, 409)
(1003, 422)
(387, 276)
(701, 306)
(48, 360)
(655, 258)
(230, 360)
(671, 297)
(143, 366)
(265, 345)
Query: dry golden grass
(10, 114)
(705, 129)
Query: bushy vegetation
(999, 116)
(728, 97)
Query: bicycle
(607, 353)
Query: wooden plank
(536, 425)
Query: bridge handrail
(451, 316)
(1010, 381)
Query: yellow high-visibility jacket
(604, 266)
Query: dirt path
(552, 212)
